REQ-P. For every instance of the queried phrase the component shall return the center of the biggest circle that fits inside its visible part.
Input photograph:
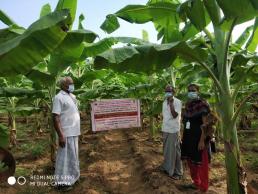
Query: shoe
(161, 169)
(80, 180)
(67, 188)
(64, 188)
(190, 186)
(176, 177)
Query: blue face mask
(192, 95)
(71, 88)
(168, 94)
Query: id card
(187, 126)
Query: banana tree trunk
(38, 123)
(173, 77)
(27, 121)
(52, 143)
(12, 128)
(52, 93)
(12, 123)
(151, 117)
(152, 128)
(218, 133)
(236, 176)
(152, 120)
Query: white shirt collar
(64, 92)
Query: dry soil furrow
(113, 166)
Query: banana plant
(43, 36)
(10, 92)
(229, 64)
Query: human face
(168, 94)
(192, 89)
(192, 93)
(69, 85)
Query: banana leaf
(91, 50)
(195, 11)
(41, 78)
(70, 50)
(11, 32)
(162, 14)
(20, 54)
(71, 5)
(147, 58)
(6, 19)
(46, 9)
(19, 92)
(243, 10)
(252, 43)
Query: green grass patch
(219, 145)
(250, 160)
(218, 158)
(254, 163)
(36, 149)
(255, 124)
(20, 171)
(248, 141)
(24, 131)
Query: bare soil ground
(119, 162)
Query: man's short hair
(193, 85)
(169, 88)
(63, 81)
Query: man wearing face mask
(194, 150)
(66, 119)
(171, 111)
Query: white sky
(27, 11)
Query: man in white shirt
(66, 119)
(171, 111)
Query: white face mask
(71, 88)
(168, 94)
(192, 95)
